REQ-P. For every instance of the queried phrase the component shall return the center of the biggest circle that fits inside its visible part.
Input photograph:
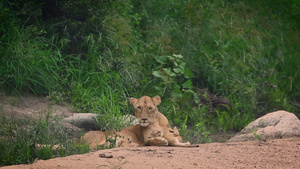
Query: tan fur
(152, 121)
(153, 128)
(94, 139)
(128, 137)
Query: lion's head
(145, 109)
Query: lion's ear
(156, 100)
(133, 100)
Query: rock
(87, 120)
(279, 124)
(83, 120)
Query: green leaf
(182, 65)
(176, 93)
(196, 98)
(176, 64)
(161, 59)
(169, 72)
(188, 84)
(178, 56)
(157, 73)
(178, 70)
(188, 73)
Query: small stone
(105, 156)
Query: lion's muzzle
(144, 122)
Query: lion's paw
(158, 141)
(155, 134)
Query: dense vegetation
(216, 64)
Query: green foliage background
(97, 54)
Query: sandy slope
(281, 153)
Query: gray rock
(83, 120)
(279, 124)
(87, 120)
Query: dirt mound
(280, 153)
(31, 106)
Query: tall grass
(28, 63)
(24, 140)
(233, 50)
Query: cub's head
(145, 109)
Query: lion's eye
(150, 108)
(139, 108)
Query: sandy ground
(280, 153)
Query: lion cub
(171, 138)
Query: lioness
(151, 120)
(153, 128)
